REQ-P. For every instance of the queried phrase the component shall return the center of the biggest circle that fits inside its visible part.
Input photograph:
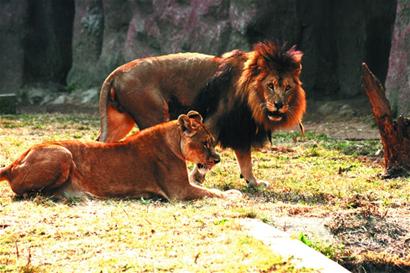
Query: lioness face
(197, 144)
(277, 92)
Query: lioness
(149, 162)
(243, 96)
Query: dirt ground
(364, 228)
(379, 235)
(342, 119)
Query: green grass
(315, 174)
(328, 249)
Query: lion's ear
(195, 115)
(296, 55)
(186, 125)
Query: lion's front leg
(245, 163)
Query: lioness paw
(232, 194)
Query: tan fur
(145, 91)
(151, 162)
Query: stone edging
(281, 243)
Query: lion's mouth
(274, 115)
(204, 168)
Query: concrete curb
(281, 243)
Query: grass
(129, 235)
(314, 175)
(327, 249)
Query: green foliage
(330, 250)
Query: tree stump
(395, 135)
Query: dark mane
(207, 101)
(238, 130)
(235, 128)
(277, 57)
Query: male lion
(149, 162)
(243, 96)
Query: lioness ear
(185, 124)
(195, 115)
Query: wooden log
(395, 135)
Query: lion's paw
(262, 184)
(232, 194)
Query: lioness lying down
(149, 162)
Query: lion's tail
(103, 106)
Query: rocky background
(72, 45)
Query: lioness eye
(271, 86)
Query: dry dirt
(365, 230)
(380, 236)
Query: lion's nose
(278, 105)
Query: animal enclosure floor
(326, 191)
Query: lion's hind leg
(118, 125)
(44, 168)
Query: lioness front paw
(232, 194)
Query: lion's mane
(233, 97)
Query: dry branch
(395, 135)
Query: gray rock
(347, 111)
(90, 96)
(327, 108)
(12, 29)
(398, 77)
(79, 42)
(59, 100)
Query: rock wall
(398, 82)
(13, 17)
(336, 36)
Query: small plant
(329, 250)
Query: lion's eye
(271, 87)
(205, 144)
(287, 88)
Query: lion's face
(197, 143)
(271, 80)
(277, 92)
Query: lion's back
(182, 66)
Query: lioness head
(197, 143)
(271, 78)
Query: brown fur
(150, 162)
(233, 93)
